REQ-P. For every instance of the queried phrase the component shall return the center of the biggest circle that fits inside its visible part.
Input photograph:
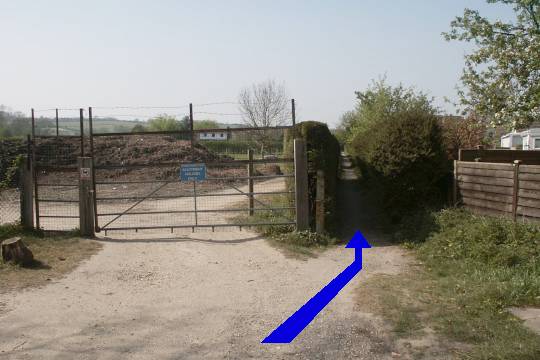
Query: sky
(105, 54)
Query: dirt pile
(124, 150)
(141, 150)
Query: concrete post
(301, 182)
(319, 203)
(27, 193)
(86, 198)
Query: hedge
(323, 152)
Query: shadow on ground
(180, 239)
(357, 211)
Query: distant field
(72, 126)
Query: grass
(472, 269)
(54, 256)
(298, 244)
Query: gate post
(301, 184)
(26, 192)
(86, 198)
(319, 203)
(250, 181)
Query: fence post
(319, 203)
(86, 197)
(191, 138)
(301, 182)
(515, 198)
(81, 119)
(26, 193)
(250, 181)
(293, 112)
(455, 184)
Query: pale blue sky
(166, 53)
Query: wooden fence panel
(529, 157)
(511, 190)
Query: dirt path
(201, 295)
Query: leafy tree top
(501, 78)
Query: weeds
(475, 268)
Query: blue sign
(193, 172)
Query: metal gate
(138, 183)
(55, 173)
(245, 176)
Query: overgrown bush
(323, 152)
(396, 140)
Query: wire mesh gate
(135, 178)
(55, 172)
(137, 183)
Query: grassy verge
(54, 257)
(285, 237)
(472, 268)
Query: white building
(526, 140)
(214, 135)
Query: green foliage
(138, 128)
(11, 175)
(478, 267)
(486, 250)
(323, 151)
(490, 241)
(16, 229)
(501, 75)
(205, 124)
(396, 140)
(165, 123)
(379, 102)
(304, 238)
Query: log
(14, 250)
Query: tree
(501, 78)
(165, 122)
(380, 101)
(262, 105)
(462, 133)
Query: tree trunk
(14, 250)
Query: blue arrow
(290, 328)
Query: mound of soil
(141, 150)
(130, 151)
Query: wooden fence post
(455, 184)
(27, 193)
(515, 198)
(250, 181)
(319, 203)
(86, 198)
(301, 185)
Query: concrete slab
(530, 316)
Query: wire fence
(56, 188)
(137, 165)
